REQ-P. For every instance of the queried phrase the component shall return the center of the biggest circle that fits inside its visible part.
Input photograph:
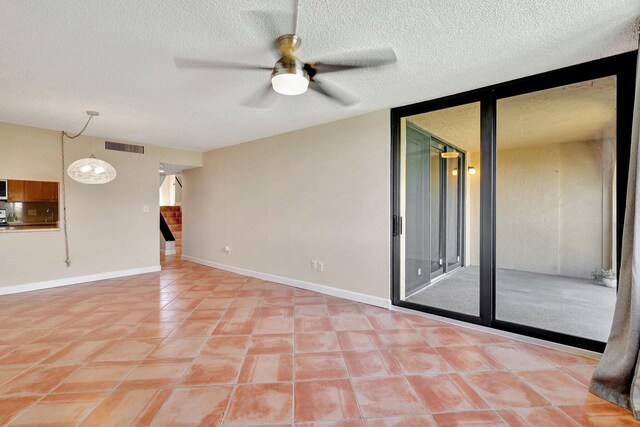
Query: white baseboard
(327, 290)
(381, 302)
(27, 287)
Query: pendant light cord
(64, 187)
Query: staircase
(173, 216)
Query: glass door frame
(622, 66)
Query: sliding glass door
(508, 202)
(555, 208)
(435, 269)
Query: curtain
(617, 376)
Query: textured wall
(549, 202)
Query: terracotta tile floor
(193, 345)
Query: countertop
(22, 228)
(33, 223)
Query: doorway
(170, 204)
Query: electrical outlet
(227, 249)
(419, 271)
(314, 265)
(32, 212)
(320, 266)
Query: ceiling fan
(291, 76)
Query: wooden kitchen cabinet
(32, 191)
(50, 191)
(15, 191)
(40, 191)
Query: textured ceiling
(61, 57)
(578, 112)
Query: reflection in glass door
(435, 207)
(454, 212)
(444, 192)
(440, 206)
(417, 249)
(434, 227)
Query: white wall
(165, 192)
(171, 191)
(108, 230)
(321, 193)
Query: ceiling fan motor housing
(288, 44)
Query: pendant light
(90, 170)
(87, 171)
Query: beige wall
(108, 230)
(321, 193)
(551, 209)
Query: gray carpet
(563, 304)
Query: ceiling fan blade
(334, 92)
(362, 59)
(263, 98)
(199, 64)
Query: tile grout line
(236, 384)
(514, 371)
(109, 393)
(115, 389)
(293, 366)
(21, 413)
(351, 385)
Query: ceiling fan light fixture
(289, 77)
